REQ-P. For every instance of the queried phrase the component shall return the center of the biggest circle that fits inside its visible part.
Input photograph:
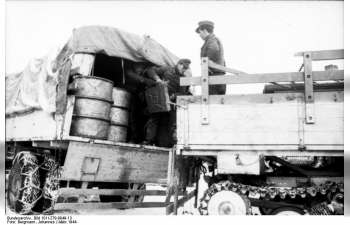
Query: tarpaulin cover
(35, 86)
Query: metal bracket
(309, 89)
(205, 90)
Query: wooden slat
(114, 205)
(257, 99)
(226, 69)
(181, 202)
(264, 78)
(324, 55)
(81, 196)
(234, 150)
(71, 191)
(253, 149)
(83, 62)
(205, 91)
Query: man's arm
(134, 77)
(213, 50)
(156, 74)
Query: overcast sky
(258, 37)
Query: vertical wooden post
(205, 90)
(176, 195)
(132, 197)
(83, 186)
(309, 88)
(197, 185)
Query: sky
(258, 37)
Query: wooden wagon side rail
(71, 191)
(171, 207)
(308, 77)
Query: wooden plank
(264, 78)
(260, 149)
(226, 69)
(61, 98)
(84, 62)
(267, 149)
(114, 205)
(244, 123)
(136, 146)
(336, 97)
(38, 125)
(72, 191)
(326, 138)
(117, 163)
(81, 197)
(205, 91)
(324, 55)
(181, 202)
(132, 197)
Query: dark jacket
(170, 74)
(133, 81)
(214, 50)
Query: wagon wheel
(112, 198)
(24, 183)
(138, 198)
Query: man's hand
(161, 82)
(149, 82)
(172, 97)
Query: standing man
(214, 50)
(169, 76)
(135, 84)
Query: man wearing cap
(169, 76)
(214, 50)
(135, 83)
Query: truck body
(41, 128)
(275, 143)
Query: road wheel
(24, 183)
(265, 211)
(287, 211)
(222, 199)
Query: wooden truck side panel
(263, 119)
(107, 163)
(37, 125)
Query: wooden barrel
(121, 98)
(98, 108)
(92, 86)
(119, 115)
(89, 127)
(117, 132)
